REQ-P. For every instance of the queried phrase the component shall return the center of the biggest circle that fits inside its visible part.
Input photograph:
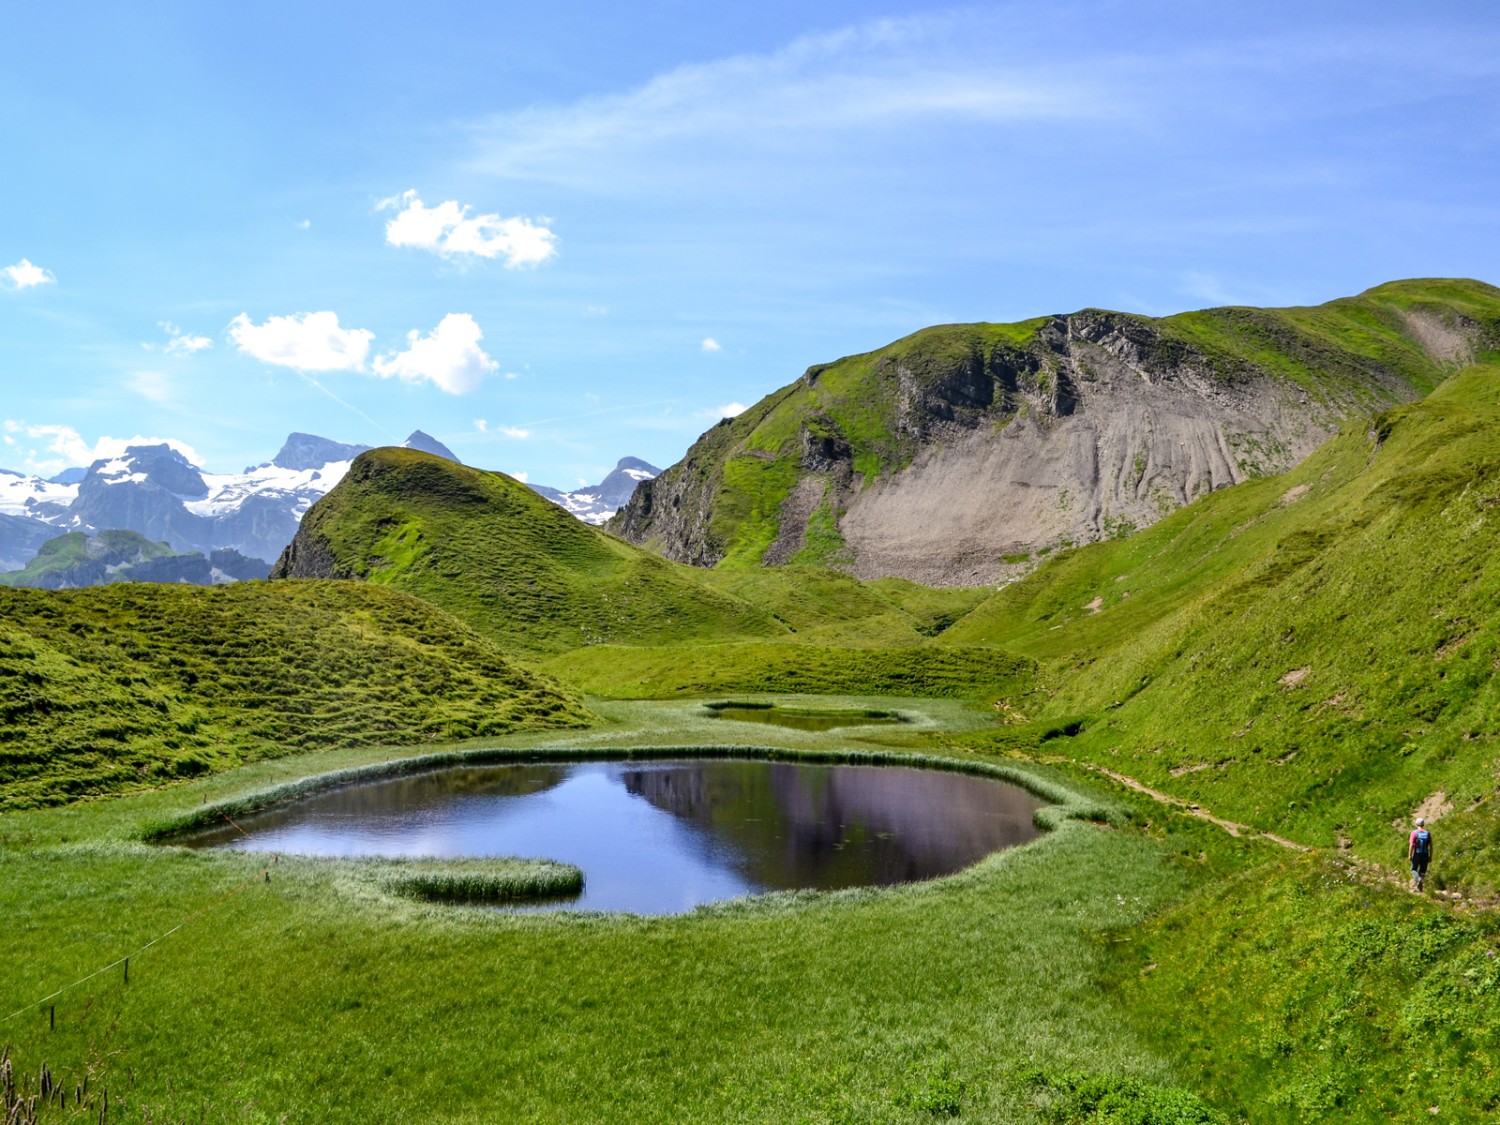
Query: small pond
(661, 837)
(799, 718)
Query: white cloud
(724, 117)
(516, 432)
(712, 345)
(481, 425)
(69, 448)
(512, 374)
(24, 275)
(449, 357)
(522, 477)
(151, 385)
(306, 342)
(182, 343)
(728, 410)
(304, 224)
(448, 229)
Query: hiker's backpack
(1421, 844)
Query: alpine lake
(663, 836)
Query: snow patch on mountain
(298, 488)
(595, 503)
(19, 495)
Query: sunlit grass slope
(1300, 993)
(528, 575)
(666, 672)
(131, 685)
(1313, 653)
(319, 995)
(516, 567)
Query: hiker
(1419, 851)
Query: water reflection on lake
(662, 837)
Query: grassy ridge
(537, 581)
(66, 552)
(518, 568)
(126, 686)
(1312, 653)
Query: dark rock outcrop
(958, 454)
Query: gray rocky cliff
(985, 454)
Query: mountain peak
(309, 451)
(426, 443)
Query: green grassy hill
(516, 567)
(125, 686)
(1313, 653)
(537, 581)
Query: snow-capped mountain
(155, 491)
(596, 503)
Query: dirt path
(1230, 826)
(1363, 869)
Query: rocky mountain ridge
(596, 503)
(961, 454)
(74, 560)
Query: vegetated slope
(1314, 654)
(76, 560)
(129, 685)
(515, 566)
(525, 573)
(960, 453)
(1299, 992)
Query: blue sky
(556, 235)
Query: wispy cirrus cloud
(153, 386)
(876, 76)
(181, 343)
(449, 230)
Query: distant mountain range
(154, 491)
(596, 503)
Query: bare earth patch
(1434, 807)
(1294, 677)
(1292, 495)
(1095, 606)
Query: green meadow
(1233, 716)
(327, 994)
